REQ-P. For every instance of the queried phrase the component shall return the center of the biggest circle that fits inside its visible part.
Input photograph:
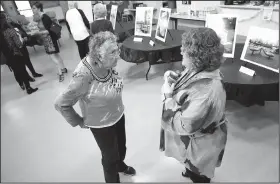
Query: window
(2, 8)
(24, 8)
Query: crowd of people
(193, 123)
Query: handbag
(56, 29)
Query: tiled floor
(37, 145)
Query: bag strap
(178, 85)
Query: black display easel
(170, 34)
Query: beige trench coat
(193, 123)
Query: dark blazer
(101, 25)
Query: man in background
(78, 25)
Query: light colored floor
(37, 145)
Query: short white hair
(99, 11)
(72, 4)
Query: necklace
(100, 79)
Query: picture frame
(261, 48)
(162, 25)
(113, 15)
(143, 21)
(226, 27)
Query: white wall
(86, 6)
(244, 26)
(155, 4)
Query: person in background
(98, 88)
(100, 22)
(25, 52)
(78, 25)
(50, 38)
(194, 129)
(11, 46)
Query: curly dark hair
(204, 48)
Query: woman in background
(78, 25)
(12, 45)
(100, 22)
(194, 127)
(50, 39)
(25, 52)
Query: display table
(240, 87)
(139, 52)
(245, 89)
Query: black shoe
(22, 87)
(129, 171)
(64, 70)
(61, 77)
(37, 75)
(31, 90)
(186, 174)
(31, 79)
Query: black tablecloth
(138, 52)
(245, 89)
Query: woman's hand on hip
(82, 125)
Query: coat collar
(214, 75)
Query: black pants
(83, 47)
(112, 143)
(27, 60)
(18, 66)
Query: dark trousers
(112, 143)
(20, 73)
(83, 47)
(27, 60)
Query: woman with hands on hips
(193, 124)
(98, 88)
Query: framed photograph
(262, 48)
(162, 25)
(113, 15)
(143, 21)
(225, 26)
